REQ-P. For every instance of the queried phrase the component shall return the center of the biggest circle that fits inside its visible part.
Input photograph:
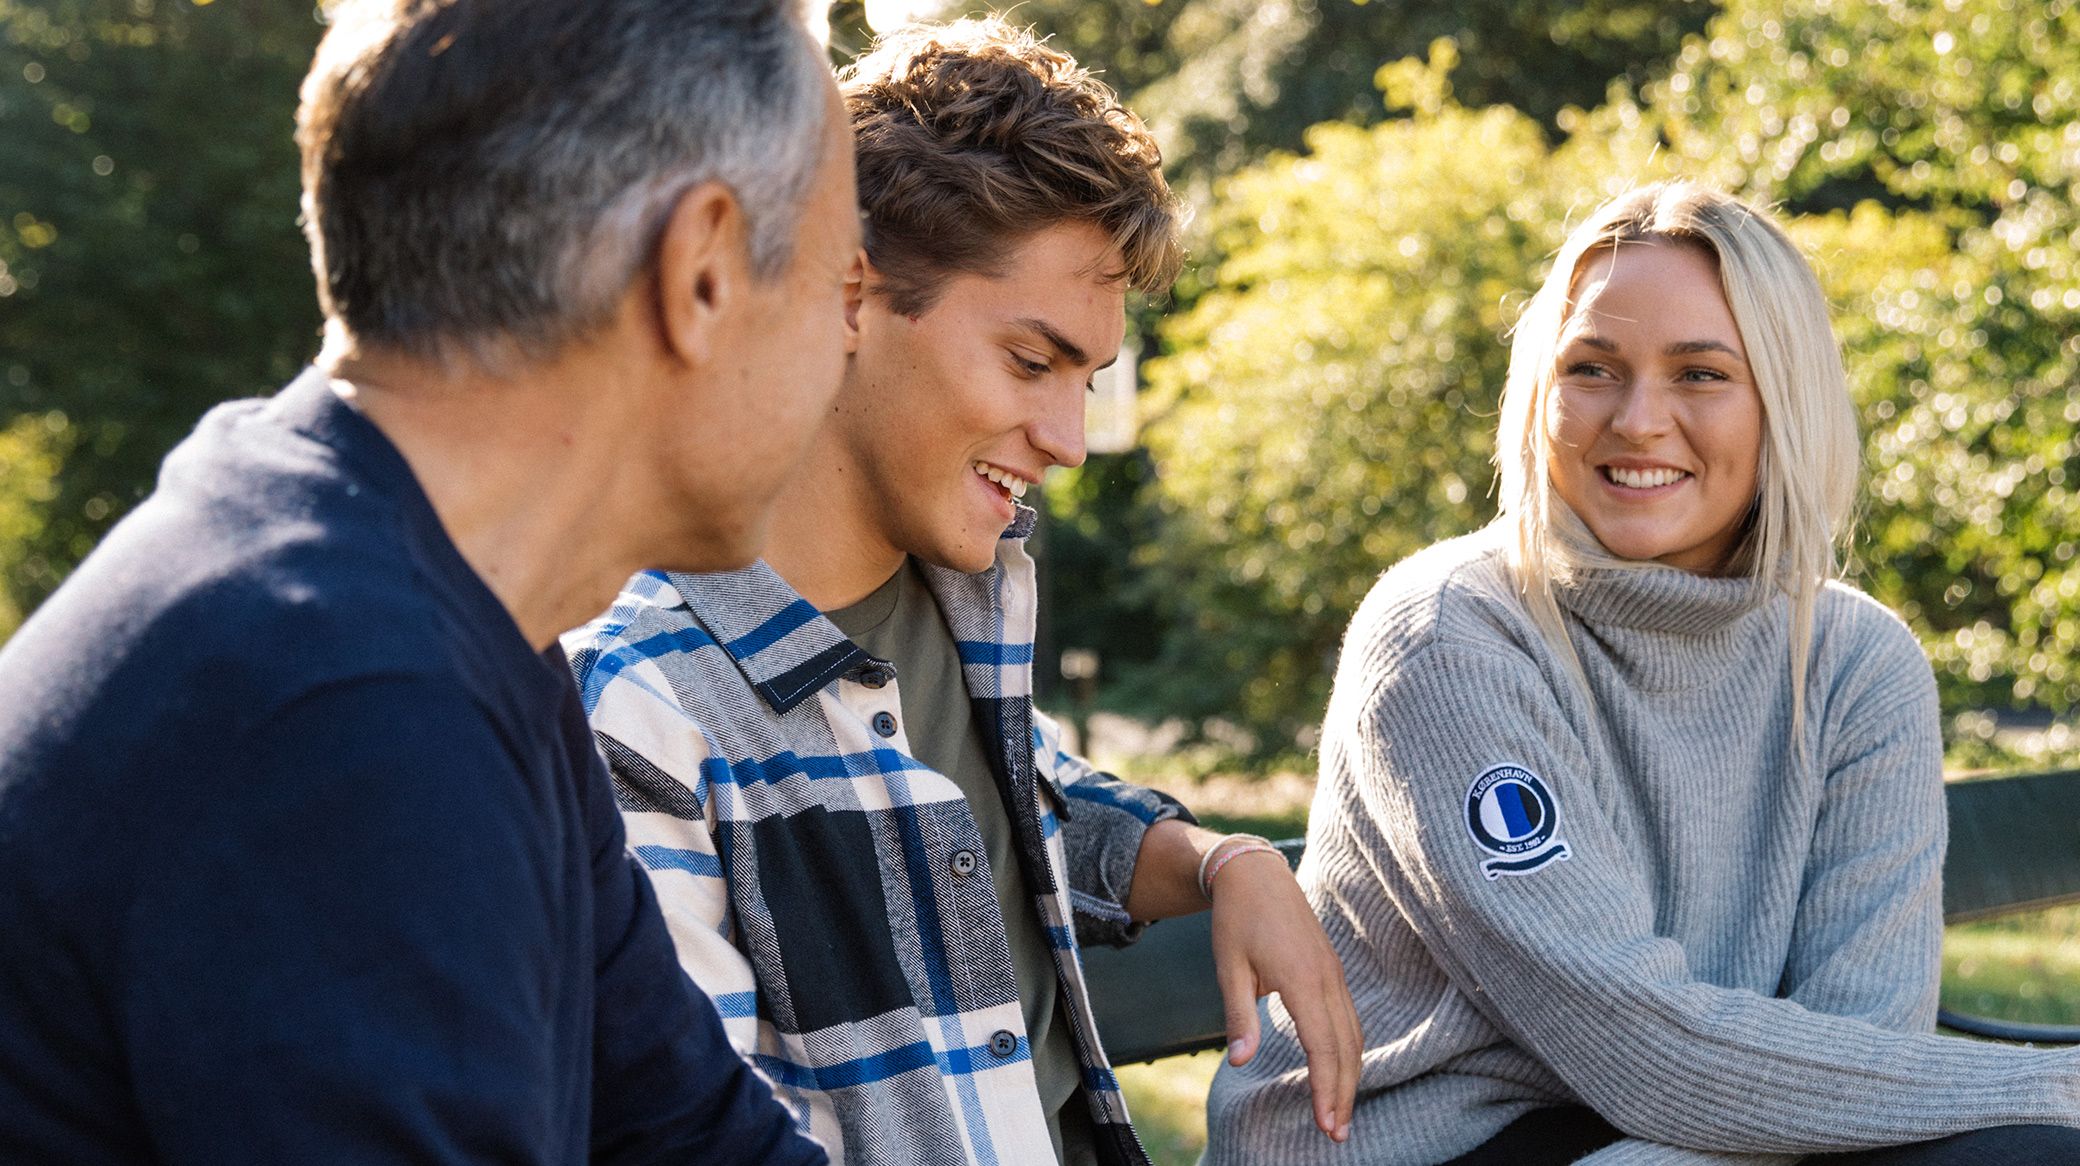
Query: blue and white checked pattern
(803, 859)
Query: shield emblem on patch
(1512, 814)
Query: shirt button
(1003, 1044)
(964, 862)
(885, 724)
(874, 677)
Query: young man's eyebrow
(1071, 351)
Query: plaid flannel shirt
(830, 892)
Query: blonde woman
(1630, 824)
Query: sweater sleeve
(1563, 956)
(324, 967)
(351, 954)
(1867, 941)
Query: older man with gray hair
(305, 851)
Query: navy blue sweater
(305, 853)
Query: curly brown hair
(973, 135)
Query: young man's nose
(1057, 432)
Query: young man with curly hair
(872, 850)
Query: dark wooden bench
(2014, 846)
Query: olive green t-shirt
(901, 623)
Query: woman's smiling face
(1655, 423)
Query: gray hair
(493, 176)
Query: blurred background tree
(1345, 359)
(1318, 414)
(1378, 186)
(150, 263)
(1953, 130)
(1327, 405)
(1225, 84)
(1225, 81)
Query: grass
(1168, 1101)
(2023, 967)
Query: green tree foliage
(1128, 42)
(1958, 291)
(1331, 395)
(1225, 81)
(1252, 75)
(1967, 398)
(150, 264)
(31, 450)
(1328, 403)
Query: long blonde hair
(1809, 464)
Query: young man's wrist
(1224, 850)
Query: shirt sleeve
(1565, 959)
(1106, 821)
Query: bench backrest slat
(2014, 844)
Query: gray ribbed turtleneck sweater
(1738, 953)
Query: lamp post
(1080, 670)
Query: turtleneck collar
(1608, 592)
(1663, 629)
(1660, 599)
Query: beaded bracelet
(1218, 855)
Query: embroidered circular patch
(1510, 812)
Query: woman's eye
(1030, 368)
(1703, 375)
(1586, 368)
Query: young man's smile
(1007, 486)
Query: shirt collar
(784, 646)
(1022, 519)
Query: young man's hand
(1265, 939)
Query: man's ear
(702, 265)
(856, 278)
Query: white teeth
(1011, 482)
(1643, 479)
